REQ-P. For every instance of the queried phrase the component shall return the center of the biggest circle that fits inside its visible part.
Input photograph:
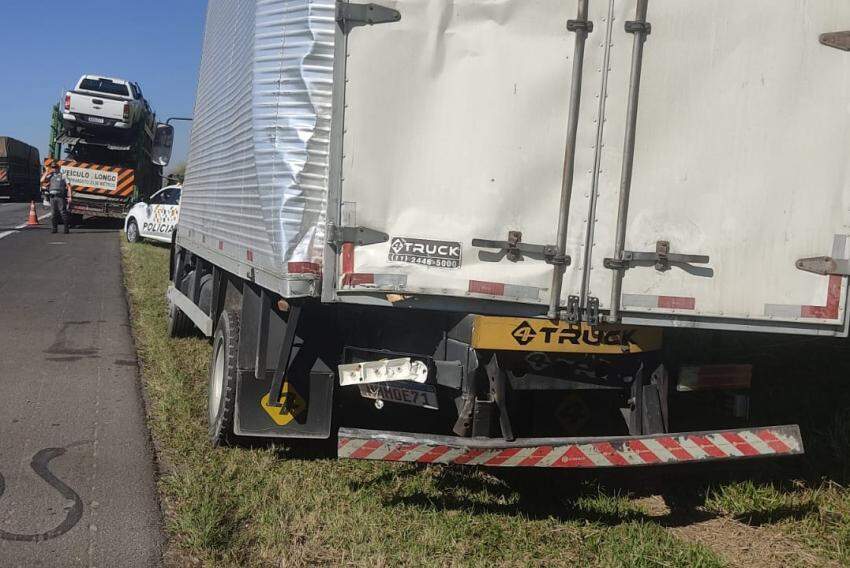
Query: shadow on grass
(597, 496)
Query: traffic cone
(33, 218)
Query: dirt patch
(737, 543)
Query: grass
(816, 514)
(263, 507)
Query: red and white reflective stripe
(3, 175)
(347, 258)
(303, 268)
(504, 290)
(659, 302)
(618, 452)
(380, 281)
(714, 377)
(829, 311)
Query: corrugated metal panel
(256, 178)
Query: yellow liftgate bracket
(518, 334)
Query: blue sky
(48, 44)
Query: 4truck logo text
(525, 333)
(437, 254)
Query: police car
(156, 217)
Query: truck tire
(221, 393)
(179, 324)
(133, 231)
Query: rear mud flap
(305, 411)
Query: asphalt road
(15, 214)
(76, 470)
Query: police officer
(57, 187)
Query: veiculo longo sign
(91, 178)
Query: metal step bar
(628, 451)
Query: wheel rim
(132, 232)
(216, 382)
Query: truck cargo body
(20, 170)
(452, 137)
(589, 162)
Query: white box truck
(459, 232)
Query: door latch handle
(515, 250)
(662, 257)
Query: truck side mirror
(163, 144)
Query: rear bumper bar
(630, 451)
(98, 208)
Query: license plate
(409, 393)
(96, 120)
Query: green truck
(20, 170)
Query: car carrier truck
(459, 232)
(108, 170)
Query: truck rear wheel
(179, 324)
(221, 394)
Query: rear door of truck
(455, 126)
(455, 130)
(741, 155)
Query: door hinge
(350, 15)
(592, 311)
(837, 40)
(360, 236)
(825, 265)
(662, 258)
(515, 250)
(573, 314)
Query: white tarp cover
(257, 172)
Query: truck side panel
(256, 179)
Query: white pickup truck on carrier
(104, 103)
(459, 232)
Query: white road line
(5, 234)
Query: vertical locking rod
(640, 29)
(581, 27)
